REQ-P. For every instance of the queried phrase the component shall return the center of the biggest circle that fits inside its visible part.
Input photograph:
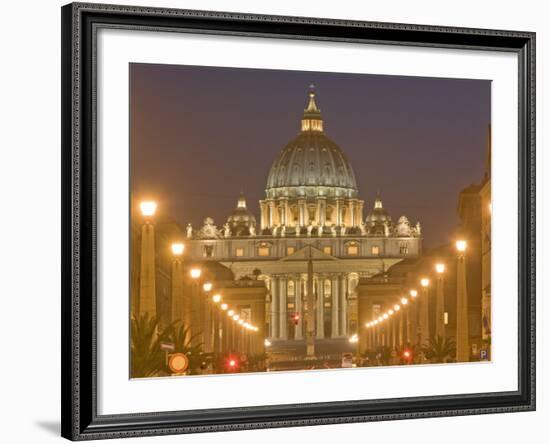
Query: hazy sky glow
(200, 135)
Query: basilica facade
(312, 236)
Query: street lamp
(148, 208)
(424, 315)
(461, 246)
(230, 313)
(217, 298)
(147, 286)
(207, 286)
(178, 303)
(440, 300)
(178, 249)
(462, 328)
(413, 293)
(196, 307)
(224, 306)
(404, 301)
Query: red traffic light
(407, 355)
(296, 318)
(232, 364)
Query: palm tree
(181, 337)
(146, 357)
(439, 349)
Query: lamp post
(147, 292)
(177, 283)
(206, 315)
(407, 327)
(440, 301)
(223, 328)
(195, 306)
(216, 299)
(424, 317)
(462, 339)
(400, 314)
(412, 317)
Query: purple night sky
(200, 135)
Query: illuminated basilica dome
(311, 164)
(311, 183)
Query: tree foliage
(439, 349)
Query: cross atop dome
(312, 120)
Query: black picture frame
(79, 171)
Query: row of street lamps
(206, 317)
(420, 313)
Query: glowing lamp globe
(148, 208)
(177, 249)
(461, 246)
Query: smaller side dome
(378, 214)
(241, 222)
(378, 221)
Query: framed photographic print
(282, 221)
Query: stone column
(338, 212)
(298, 297)
(283, 315)
(401, 339)
(264, 221)
(208, 324)
(320, 330)
(343, 306)
(177, 292)
(359, 210)
(147, 290)
(440, 307)
(424, 317)
(335, 314)
(272, 214)
(393, 321)
(275, 307)
(353, 222)
(462, 333)
(322, 211)
(318, 212)
(302, 212)
(412, 334)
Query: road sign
(483, 354)
(167, 346)
(178, 362)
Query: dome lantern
(312, 120)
